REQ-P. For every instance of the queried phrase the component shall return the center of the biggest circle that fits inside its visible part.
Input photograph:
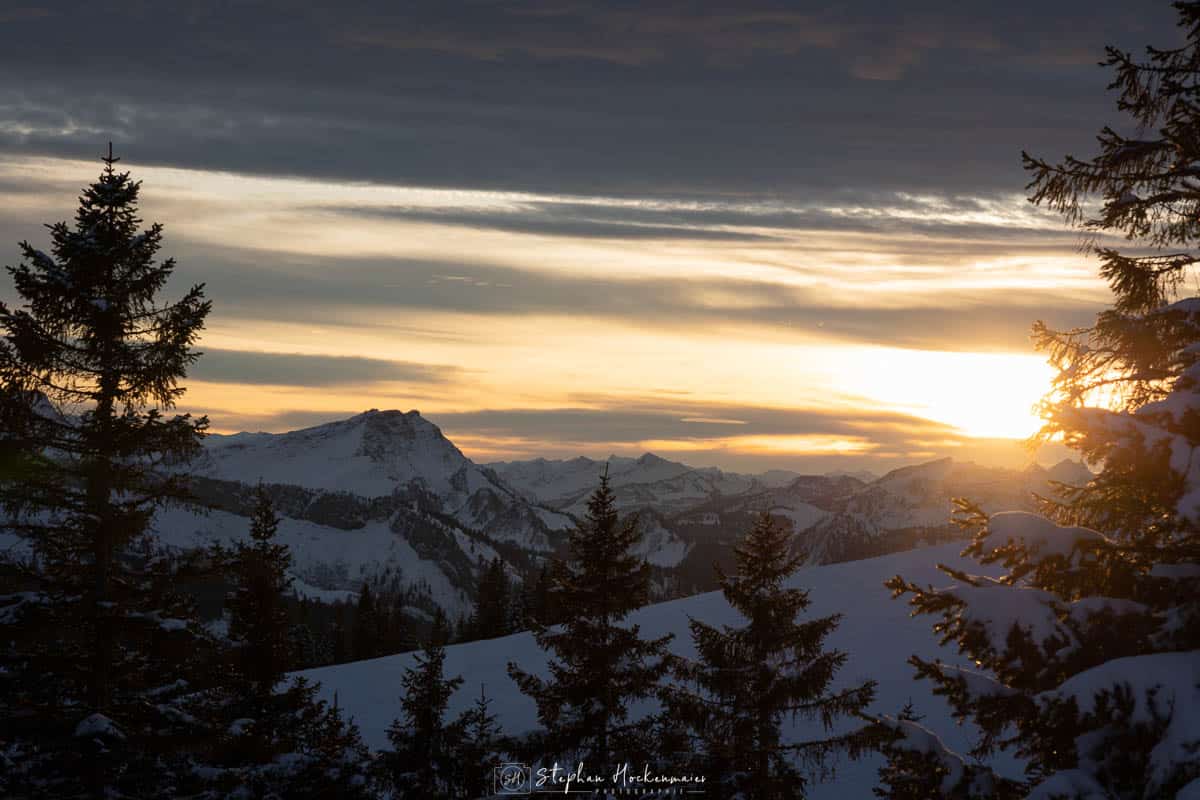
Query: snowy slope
(876, 632)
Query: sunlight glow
(728, 327)
(984, 395)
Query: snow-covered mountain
(385, 454)
(648, 481)
(697, 513)
(382, 496)
(877, 634)
(662, 493)
(912, 506)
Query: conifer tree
(422, 762)
(1086, 646)
(395, 635)
(365, 635)
(598, 664)
(919, 766)
(98, 652)
(258, 625)
(277, 742)
(492, 616)
(904, 779)
(305, 637)
(341, 647)
(479, 753)
(747, 680)
(536, 607)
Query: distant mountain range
(384, 496)
(691, 517)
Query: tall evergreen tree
(747, 680)
(1087, 644)
(422, 762)
(598, 663)
(89, 362)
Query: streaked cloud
(631, 420)
(299, 369)
(714, 99)
(553, 219)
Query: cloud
(626, 422)
(714, 100)
(550, 219)
(956, 272)
(909, 219)
(276, 422)
(364, 292)
(296, 369)
(630, 421)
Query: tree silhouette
(89, 362)
(746, 680)
(1083, 645)
(598, 664)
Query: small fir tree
(918, 766)
(598, 663)
(422, 762)
(289, 744)
(747, 680)
(274, 743)
(340, 645)
(365, 635)
(492, 616)
(480, 750)
(536, 606)
(396, 635)
(258, 623)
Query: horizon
(597, 230)
(1015, 463)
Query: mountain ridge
(386, 497)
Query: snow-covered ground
(876, 632)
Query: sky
(752, 235)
